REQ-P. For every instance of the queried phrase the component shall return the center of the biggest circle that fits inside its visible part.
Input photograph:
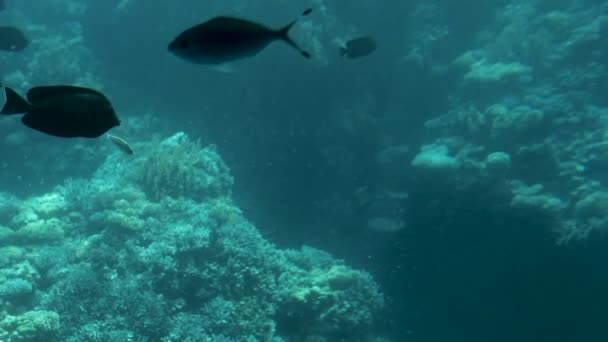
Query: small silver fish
(121, 144)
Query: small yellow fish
(121, 144)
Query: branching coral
(179, 167)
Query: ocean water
(451, 186)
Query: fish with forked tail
(226, 39)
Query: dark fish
(12, 39)
(358, 47)
(225, 39)
(122, 144)
(63, 111)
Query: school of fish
(68, 111)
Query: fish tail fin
(15, 104)
(283, 34)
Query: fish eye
(184, 44)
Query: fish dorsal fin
(38, 94)
(224, 20)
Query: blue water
(451, 186)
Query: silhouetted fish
(63, 111)
(225, 39)
(12, 39)
(121, 143)
(358, 47)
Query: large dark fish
(12, 39)
(63, 111)
(358, 47)
(225, 39)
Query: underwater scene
(304, 171)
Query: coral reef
(435, 157)
(31, 326)
(328, 302)
(178, 167)
(56, 58)
(518, 125)
(154, 250)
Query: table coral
(435, 157)
(533, 198)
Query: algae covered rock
(338, 299)
(42, 230)
(31, 326)
(10, 254)
(508, 121)
(6, 234)
(42, 219)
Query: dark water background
(466, 268)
